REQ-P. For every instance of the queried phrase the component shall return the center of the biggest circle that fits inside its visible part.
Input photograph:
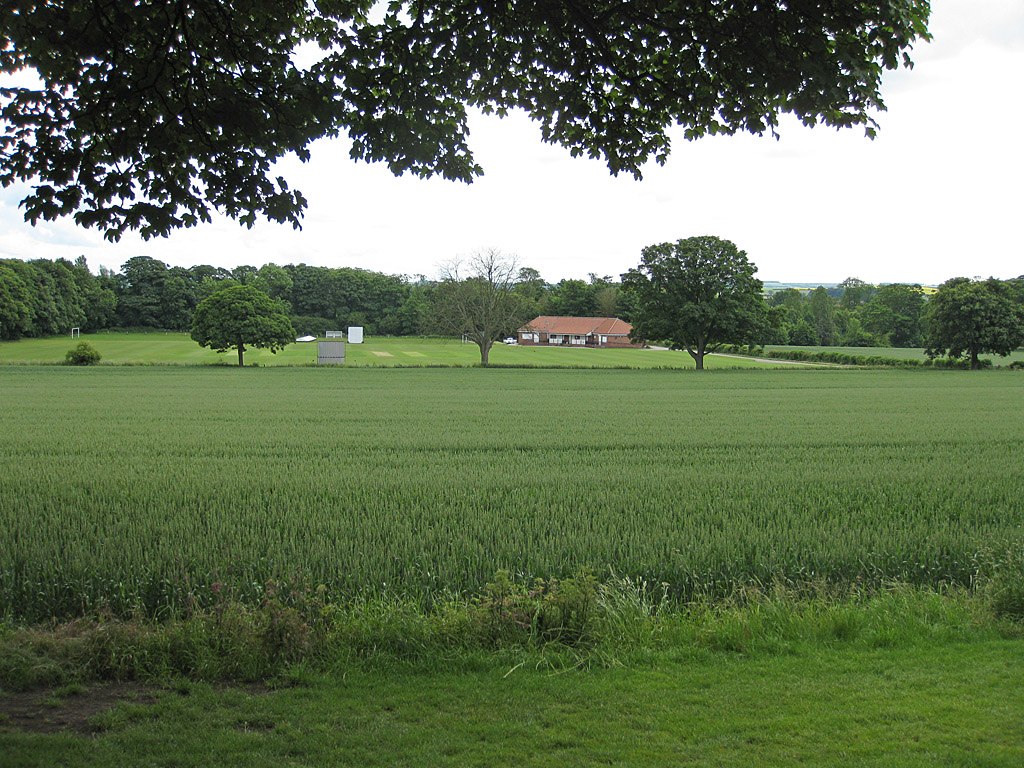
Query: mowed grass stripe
(137, 485)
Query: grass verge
(572, 623)
(902, 677)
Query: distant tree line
(45, 297)
(859, 314)
(853, 314)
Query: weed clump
(576, 622)
(1005, 588)
(544, 611)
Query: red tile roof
(579, 326)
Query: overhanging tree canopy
(152, 114)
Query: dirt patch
(70, 709)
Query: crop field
(143, 487)
(379, 352)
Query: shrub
(843, 358)
(82, 353)
(754, 350)
(1005, 588)
(561, 611)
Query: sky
(937, 195)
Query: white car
(509, 340)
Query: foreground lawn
(178, 348)
(934, 704)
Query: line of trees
(45, 298)
(853, 314)
(699, 293)
(858, 314)
(48, 297)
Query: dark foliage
(150, 116)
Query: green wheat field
(139, 488)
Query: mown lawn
(930, 704)
(140, 348)
(177, 348)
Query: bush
(844, 358)
(1005, 587)
(754, 350)
(552, 611)
(82, 353)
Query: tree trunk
(975, 362)
(485, 352)
(241, 351)
(698, 355)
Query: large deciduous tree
(696, 293)
(969, 318)
(241, 316)
(151, 115)
(478, 299)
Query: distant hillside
(771, 286)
